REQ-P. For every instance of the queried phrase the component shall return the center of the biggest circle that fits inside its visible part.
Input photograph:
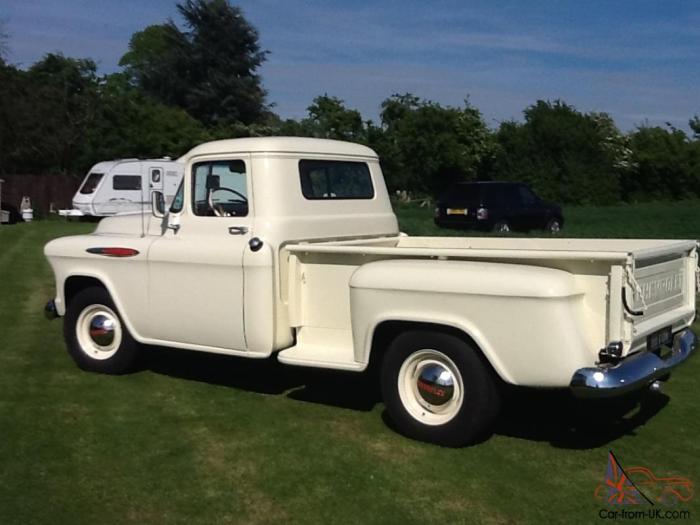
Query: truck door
(196, 271)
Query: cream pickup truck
(289, 247)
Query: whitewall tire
(95, 334)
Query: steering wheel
(217, 208)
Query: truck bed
(629, 288)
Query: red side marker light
(113, 251)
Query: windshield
(91, 182)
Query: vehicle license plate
(457, 211)
(660, 338)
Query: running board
(322, 348)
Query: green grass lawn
(198, 438)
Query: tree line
(183, 84)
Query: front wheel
(437, 388)
(501, 227)
(96, 337)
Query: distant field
(650, 220)
(201, 439)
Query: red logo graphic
(639, 485)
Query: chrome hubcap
(99, 331)
(102, 330)
(435, 384)
(430, 387)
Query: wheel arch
(387, 329)
(76, 282)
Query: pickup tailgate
(658, 294)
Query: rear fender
(518, 316)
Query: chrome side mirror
(158, 204)
(173, 222)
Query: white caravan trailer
(124, 185)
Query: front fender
(126, 279)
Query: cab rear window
(335, 179)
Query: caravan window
(126, 182)
(91, 182)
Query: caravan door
(155, 177)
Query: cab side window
(219, 189)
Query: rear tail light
(482, 214)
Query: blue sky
(636, 59)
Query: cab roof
(298, 145)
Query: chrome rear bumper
(633, 372)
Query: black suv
(501, 206)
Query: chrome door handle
(237, 230)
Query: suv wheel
(501, 227)
(553, 226)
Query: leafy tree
(3, 42)
(131, 124)
(426, 146)
(12, 94)
(694, 124)
(396, 107)
(329, 118)
(65, 97)
(47, 112)
(563, 154)
(667, 165)
(153, 62)
(209, 69)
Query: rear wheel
(501, 227)
(437, 388)
(96, 337)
